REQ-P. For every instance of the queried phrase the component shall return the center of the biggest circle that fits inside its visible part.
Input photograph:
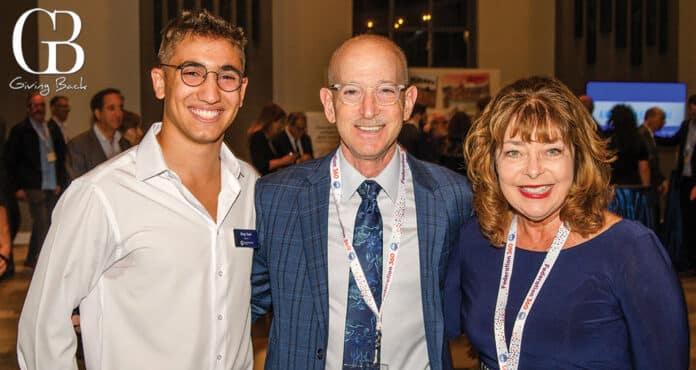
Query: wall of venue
(517, 37)
(110, 38)
(616, 41)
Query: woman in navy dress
(545, 277)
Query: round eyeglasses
(352, 93)
(193, 74)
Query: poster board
(454, 89)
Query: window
(432, 33)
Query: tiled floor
(12, 293)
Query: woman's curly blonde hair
(539, 107)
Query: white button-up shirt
(160, 283)
(110, 148)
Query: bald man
(353, 258)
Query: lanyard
(355, 267)
(508, 359)
(44, 136)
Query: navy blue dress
(613, 302)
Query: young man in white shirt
(155, 246)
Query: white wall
(305, 33)
(110, 38)
(517, 37)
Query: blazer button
(320, 354)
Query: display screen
(641, 96)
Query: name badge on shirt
(246, 238)
(51, 156)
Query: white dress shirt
(63, 127)
(295, 142)
(159, 282)
(110, 148)
(404, 345)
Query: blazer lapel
(96, 148)
(314, 215)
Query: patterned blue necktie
(360, 333)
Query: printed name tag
(246, 238)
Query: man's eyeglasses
(353, 93)
(193, 74)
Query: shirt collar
(103, 139)
(287, 131)
(149, 161)
(388, 179)
(36, 123)
(57, 121)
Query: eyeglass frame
(183, 65)
(400, 87)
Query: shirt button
(219, 357)
(220, 273)
(320, 354)
(220, 317)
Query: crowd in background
(277, 140)
(39, 161)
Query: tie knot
(369, 189)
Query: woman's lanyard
(355, 267)
(508, 359)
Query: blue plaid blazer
(290, 273)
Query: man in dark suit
(103, 140)
(294, 138)
(331, 231)
(35, 160)
(686, 169)
(654, 121)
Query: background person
(35, 161)
(631, 166)
(294, 138)
(103, 140)
(264, 154)
(60, 109)
(544, 262)
(654, 121)
(131, 128)
(6, 260)
(410, 130)
(452, 156)
(8, 201)
(432, 141)
(684, 184)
